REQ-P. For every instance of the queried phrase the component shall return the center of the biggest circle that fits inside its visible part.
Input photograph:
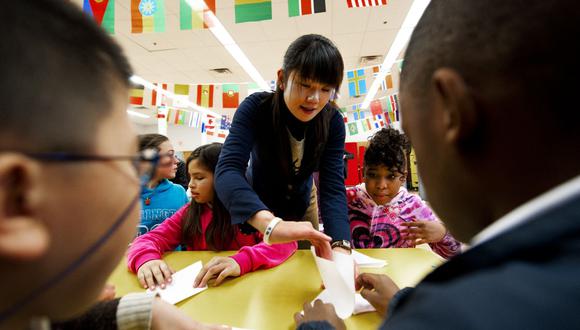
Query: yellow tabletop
(268, 299)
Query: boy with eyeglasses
(69, 173)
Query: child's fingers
(229, 271)
(211, 272)
(141, 278)
(149, 279)
(166, 271)
(158, 276)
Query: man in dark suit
(490, 106)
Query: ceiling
(187, 57)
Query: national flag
(366, 125)
(357, 112)
(181, 89)
(103, 11)
(195, 15)
(136, 95)
(378, 119)
(210, 125)
(224, 123)
(352, 128)
(387, 118)
(195, 119)
(252, 10)
(180, 117)
(365, 3)
(147, 16)
(205, 96)
(230, 95)
(168, 115)
(154, 95)
(306, 7)
(387, 83)
(357, 85)
(394, 102)
(221, 134)
(376, 108)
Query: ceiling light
(402, 38)
(223, 36)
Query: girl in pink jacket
(203, 224)
(382, 213)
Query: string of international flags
(149, 15)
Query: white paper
(362, 260)
(181, 286)
(338, 279)
(361, 305)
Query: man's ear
(460, 116)
(23, 236)
(280, 81)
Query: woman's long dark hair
(220, 232)
(314, 58)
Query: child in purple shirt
(384, 214)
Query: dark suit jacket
(526, 278)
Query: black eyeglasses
(145, 162)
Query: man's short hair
(518, 51)
(58, 74)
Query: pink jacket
(379, 226)
(253, 254)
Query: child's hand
(420, 232)
(154, 272)
(220, 267)
(378, 290)
(319, 311)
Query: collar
(521, 214)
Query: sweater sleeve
(448, 246)
(231, 185)
(262, 255)
(152, 245)
(333, 208)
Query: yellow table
(268, 299)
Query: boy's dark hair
(59, 71)
(388, 147)
(220, 232)
(507, 51)
(151, 141)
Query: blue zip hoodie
(159, 204)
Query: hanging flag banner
(252, 10)
(352, 128)
(147, 16)
(356, 82)
(103, 11)
(136, 95)
(305, 7)
(205, 96)
(376, 107)
(154, 95)
(230, 95)
(210, 125)
(195, 16)
(195, 119)
(365, 3)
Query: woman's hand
(289, 231)
(154, 272)
(420, 232)
(218, 268)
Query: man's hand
(218, 268)
(167, 316)
(319, 311)
(378, 290)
